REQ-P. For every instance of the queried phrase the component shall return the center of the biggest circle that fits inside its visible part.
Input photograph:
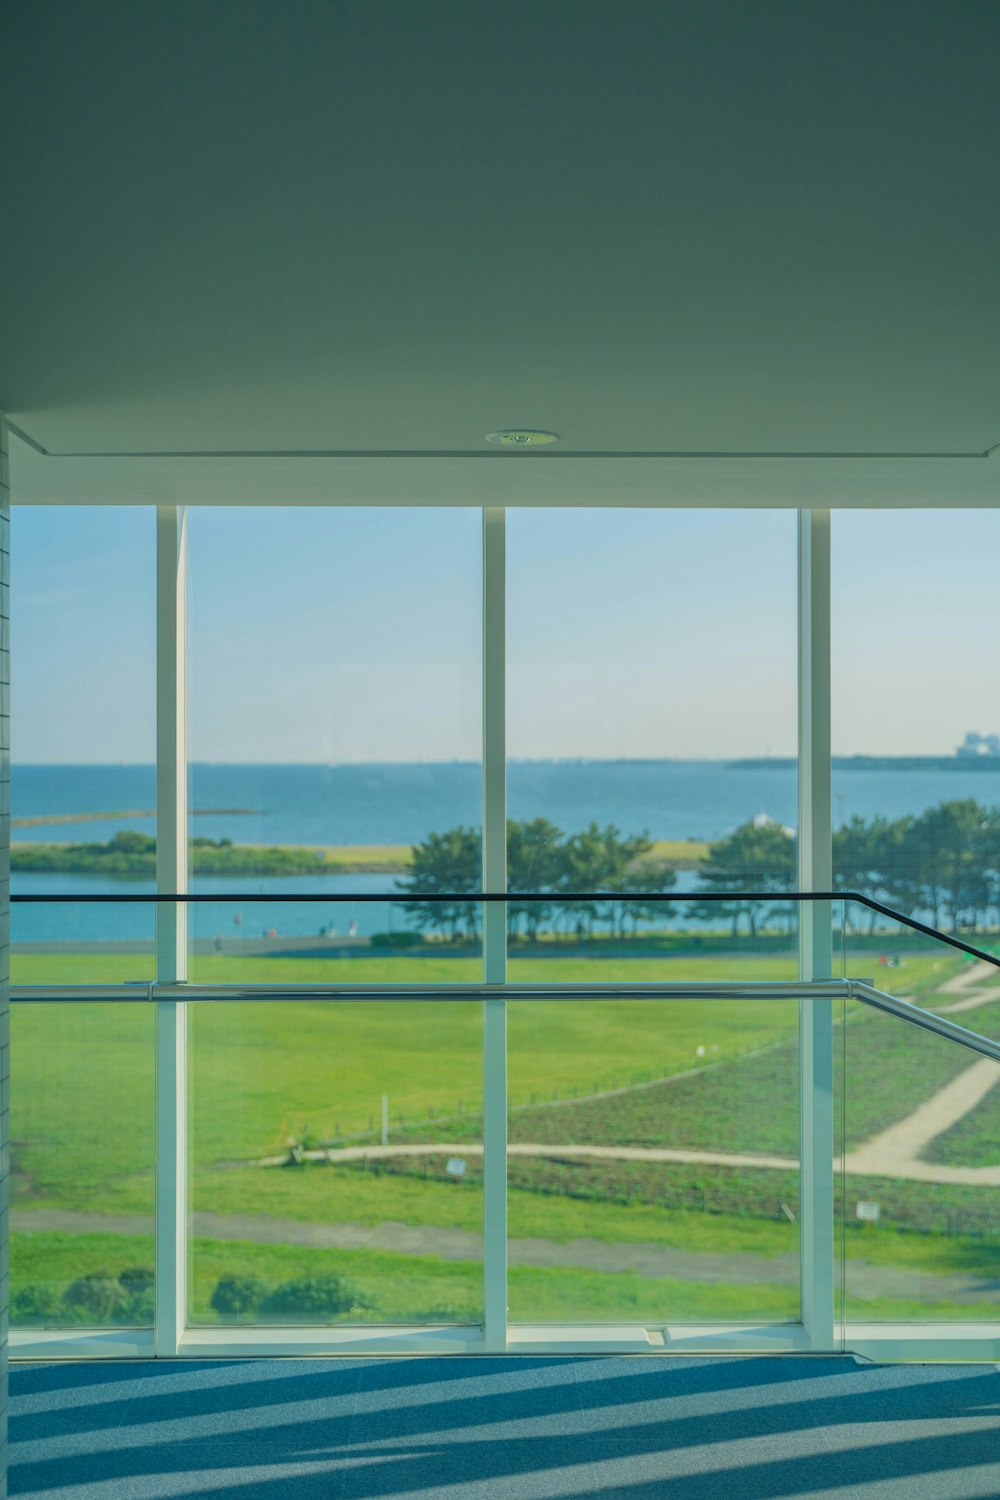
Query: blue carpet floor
(506, 1429)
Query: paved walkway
(452, 1244)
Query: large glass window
(334, 734)
(916, 817)
(83, 824)
(335, 1149)
(652, 739)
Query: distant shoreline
(863, 762)
(875, 763)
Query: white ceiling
(653, 226)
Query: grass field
(975, 1140)
(423, 1287)
(263, 1071)
(260, 1074)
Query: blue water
(400, 804)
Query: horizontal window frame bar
(143, 993)
(887, 1342)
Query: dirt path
(969, 984)
(893, 1153)
(446, 1243)
(896, 1151)
(552, 1153)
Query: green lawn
(260, 1073)
(975, 1140)
(412, 1287)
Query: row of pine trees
(944, 863)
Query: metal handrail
(792, 989)
(826, 989)
(475, 898)
(926, 1020)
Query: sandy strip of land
(46, 819)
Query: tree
(445, 864)
(870, 856)
(645, 877)
(598, 860)
(533, 864)
(949, 849)
(758, 856)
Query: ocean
(402, 803)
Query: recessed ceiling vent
(521, 437)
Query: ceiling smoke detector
(521, 437)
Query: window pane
(83, 783)
(652, 730)
(916, 774)
(335, 665)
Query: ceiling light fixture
(521, 437)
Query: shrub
(319, 1297)
(37, 1303)
(97, 1298)
(396, 939)
(136, 1279)
(236, 1296)
(139, 1309)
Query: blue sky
(351, 635)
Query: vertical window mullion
(171, 928)
(494, 878)
(815, 931)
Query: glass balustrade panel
(653, 1161)
(82, 1165)
(920, 1166)
(336, 1162)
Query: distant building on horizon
(975, 745)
